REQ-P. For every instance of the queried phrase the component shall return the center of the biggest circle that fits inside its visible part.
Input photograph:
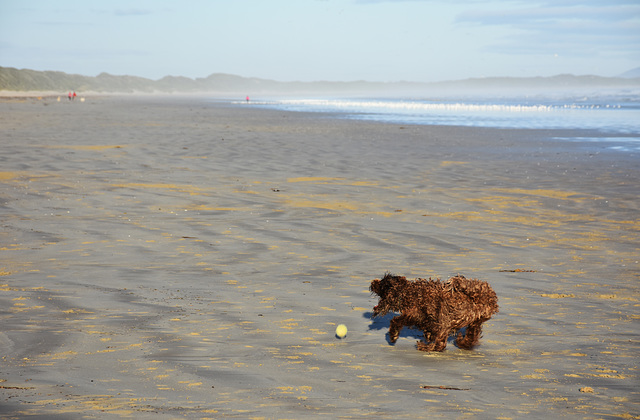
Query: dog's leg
(471, 337)
(395, 326)
(439, 342)
(423, 345)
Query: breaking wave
(364, 105)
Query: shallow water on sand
(615, 113)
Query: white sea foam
(417, 106)
(429, 106)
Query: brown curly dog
(437, 308)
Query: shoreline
(606, 140)
(182, 257)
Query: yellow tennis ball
(341, 331)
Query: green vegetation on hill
(31, 80)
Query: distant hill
(24, 80)
(32, 80)
(633, 73)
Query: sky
(313, 40)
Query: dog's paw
(422, 346)
(465, 344)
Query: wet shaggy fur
(438, 308)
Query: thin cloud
(132, 12)
(62, 23)
(554, 3)
(419, 1)
(578, 30)
(596, 3)
(564, 13)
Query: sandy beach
(181, 258)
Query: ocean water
(616, 116)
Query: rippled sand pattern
(177, 258)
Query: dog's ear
(373, 284)
(378, 286)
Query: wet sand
(170, 258)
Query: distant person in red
(247, 99)
(69, 95)
(74, 96)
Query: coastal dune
(173, 256)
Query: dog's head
(389, 289)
